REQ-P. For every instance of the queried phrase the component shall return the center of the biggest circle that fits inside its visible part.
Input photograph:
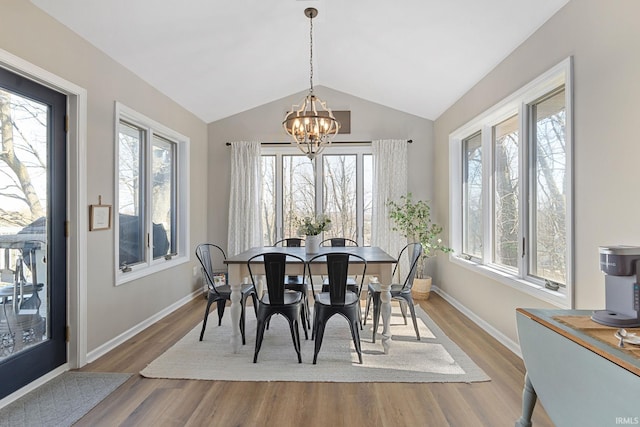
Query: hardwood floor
(156, 402)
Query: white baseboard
(110, 345)
(502, 338)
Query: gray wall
(603, 39)
(369, 121)
(30, 34)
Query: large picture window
(511, 181)
(152, 192)
(337, 183)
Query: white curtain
(390, 182)
(245, 224)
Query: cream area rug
(435, 358)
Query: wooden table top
(372, 254)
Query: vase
(312, 244)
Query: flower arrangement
(413, 220)
(312, 226)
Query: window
(339, 195)
(472, 196)
(549, 193)
(338, 183)
(511, 181)
(505, 197)
(152, 196)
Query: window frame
(180, 193)
(519, 103)
(336, 149)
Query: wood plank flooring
(157, 402)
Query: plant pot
(421, 288)
(312, 244)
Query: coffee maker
(621, 266)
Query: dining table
(379, 265)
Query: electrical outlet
(195, 271)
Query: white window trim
(560, 74)
(182, 190)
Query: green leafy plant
(413, 220)
(312, 226)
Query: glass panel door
(32, 222)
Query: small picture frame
(99, 217)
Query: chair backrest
(291, 242)
(205, 253)
(274, 270)
(337, 268)
(413, 251)
(338, 242)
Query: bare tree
(340, 194)
(16, 181)
(507, 200)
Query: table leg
(529, 398)
(236, 306)
(385, 310)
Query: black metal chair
(21, 324)
(338, 299)
(221, 293)
(352, 282)
(401, 293)
(278, 299)
(338, 242)
(297, 283)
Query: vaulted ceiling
(219, 58)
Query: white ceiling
(219, 58)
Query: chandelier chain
(311, 54)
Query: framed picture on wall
(99, 217)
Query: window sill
(559, 299)
(159, 265)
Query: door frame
(76, 212)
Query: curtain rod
(409, 141)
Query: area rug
(435, 358)
(61, 401)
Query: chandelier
(311, 124)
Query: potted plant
(413, 220)
(311, 227)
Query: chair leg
(377, 302)
(295, 336)
(319, 334)
(242, 308)
(366, 310)
(413, 316)
(206, 316)
(305, 328)
(221, 304)
(259, 336)
(403, 310)
(355, 334)
(305, 308)
(254, 298)
(315, 323)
